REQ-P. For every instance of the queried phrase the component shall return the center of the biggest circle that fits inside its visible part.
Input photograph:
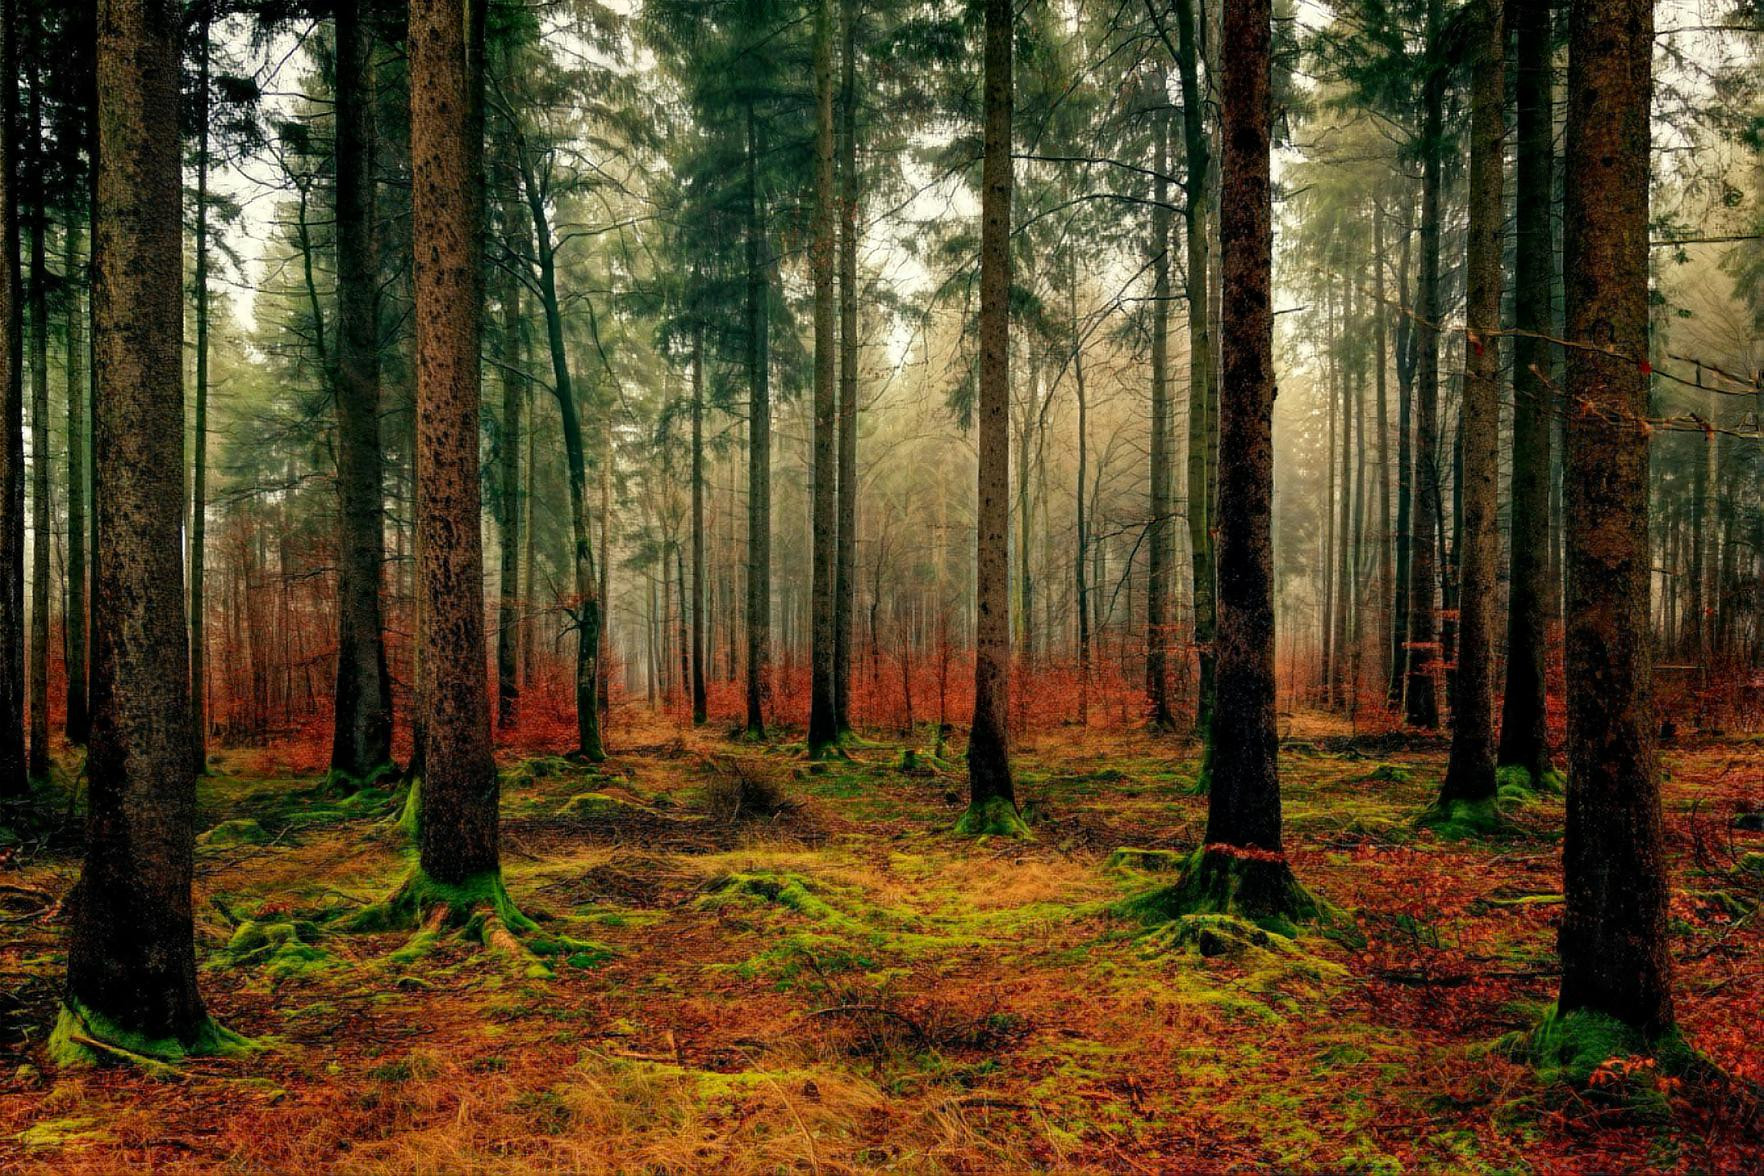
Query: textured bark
(199, 434)
(508, 455)
(989, 763)
(1244, 797)
(698, 687)
(79, 720)
(41, 461)
(845, 560)
(1470, 770)
(459, 826)
(1081, 551)
(823, 724)
(1202, 495)
(13, 781)
(1524, 738)
(1405, 512)
(759, 448)
(1344, 567)
(1421, 694)
(1381, 419)
(1613, 941)
(1158, 525)
(361, 740)
(131, 947)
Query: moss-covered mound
(1230, 880)
(240, 831)
(1147, 861)
(281, 949)
(84, 1037)
(993, 817)
(1606, 1060)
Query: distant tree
(13, 779)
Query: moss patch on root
(1226, 880)
(1602, 1056)
(240, 831)
(1520, 779)
(993, 817)
(280, 948)
(83, 1037)
(1470, 820)
(1147, 861)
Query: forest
(751, 586)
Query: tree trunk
(1158, 526)
(1613, 941)
(361, 741)
(198, 532)
(845, 560)
(13, 781)
(759, 448)
(1344, 566)
(823, 725)
(992, 798)
(1081, 550)
(459, 817)
(38, 763)
(508, 452)
(1406, 355)
(1203, 401)
(1381, 418)
(131, 965)
(79, 721)
(1422, 694)
(1470, 770)
(1524, 737)
(698, 687)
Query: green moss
(1464, 820)
(278, 947)
(241, 831)
(790, 891)
(993, 817)
(1216, 881)
(57, 1134)
(421, 900)
(1572, 1048)
(410, 817)
(1388, 774)
(1147, 861)
(340, 783)
(1750, 863)
(85, 1037)
(366, 801)
(596, 804)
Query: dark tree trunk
(459, 819)
(131, 966)
(79, 721)
(1158, 525)
(361, 741)
(1421, 694)
(1524, 739)
(823, 724)
(1344, 525)
(13, 781)
(1381, 419)
(759, 448)
(508, 454)
(845, 560)
(1470, 769)
(1203, 401)
(199, 434)
(1081, 552)
(1405, 513)
(698, 687)
(41, 461)
(1615, 958)
(992, 799)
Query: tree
(199, 466)
(1470, 770)
(823, 725)
(13, 779)
(361, 739)
(1158, 528)
(131, 964)
(992, 801)
(1615, 958)
(845, 559)
(41, 460)
(1524, 739)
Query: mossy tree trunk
(361, 738)
(131, 959)
(989, 762)
(1524, 738)
(459, 839)
(1470, 769)
(1615, 957)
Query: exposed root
(84, 1037)
(1229, 880)
(995, 816)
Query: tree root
(83, 1037)
(993, 817)
(1230, 880)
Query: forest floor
(844, 985)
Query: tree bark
(508, 453)
(41, 461)
(1422, 694)
(698, 685)
(989, 764)
(823, 725)
(131, 963)
(1524, 738)
(759, 448)
(79, 720)
(13, 781)
(1470, 769)
(361, 740)
(1158, 525)
(1613, 941)
(845, 560)
(459, 840)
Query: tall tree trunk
(1613, 942)
(1381, 419)
(1524, 738)
(759, 447)
(845, 560)
(199, 435)
(41, 459)
(1406, 357)
(1081, 550)
(508, 452)
(79, 721)
(698, 687)
(131, 964)
(992, 798)
(13, 780)
(1326, 556)
(361, 740)
(459, 838)
(823, 725)
(1470, 769)
(1344, 573)
(1158, 525)
(1422, 695)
